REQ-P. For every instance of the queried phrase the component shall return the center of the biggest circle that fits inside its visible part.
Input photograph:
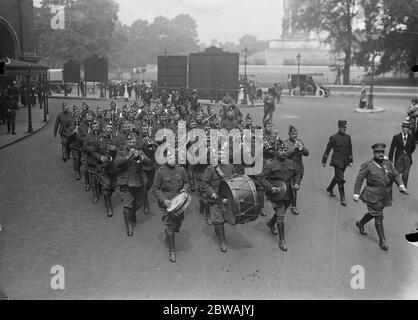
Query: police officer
(170, 179)
(211, 179)
(131, 179)
(377, 194)
(295, 151)
(342, 157)
(402, 147)
(63, 121)
(277, 172)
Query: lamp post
(374, 36)
(27, 78)
(245, 102)
(165, 68)
(298, 57)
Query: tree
(335, 18)
(88, 29)
(399, 41)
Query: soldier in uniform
(131, 179)
(230, 122)
(109, 144)
(211, 179)
(170, 179)
(75, 143)
(91, 146)
(377, 194)
(276, 172)
(295, 151)
(342, 157)
(63, 121)
(402, 147)
(270, 137)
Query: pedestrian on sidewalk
(11, 111)
(3, 100)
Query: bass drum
(243, 205)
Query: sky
(224, 20)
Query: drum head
(177, 202)
(243, 205)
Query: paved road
(48, 219)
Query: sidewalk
(22, 126)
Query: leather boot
(282, 243)
(381, 234)
(360, 224)
(146, 205)
(126, 213)
(170, 240)
(220, 232)
(207, 214)
(331, 187)
(201, 206)
(342, 194)
(76, 169)
(64, 153)
(133, 215)
(86, 181)
(272, 224)
(108, 204)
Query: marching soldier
(91, 147)
(63, 121)
(402, 147)
(75, 143)
(295, 151)
(377, 194)
(342, 157)
(210, 185)
(276, 173)
(131, 179)
(170, 179)
(270, 137)
(109, 144)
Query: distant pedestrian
(11, 111)
(363, 97)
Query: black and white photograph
(208, 150)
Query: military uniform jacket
(379, 178)
(76, 138)
(228, 124)
(91, 147)
(295, 154)
(212, 179)
(130, 172)
(275, 170)
(63, 121)
(169, 181)
(342, 154)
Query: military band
(115, 148)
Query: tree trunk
(412, 62)
(347, 65)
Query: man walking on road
(63, 121)
(377, 194)
(402, 146)
(342, 157)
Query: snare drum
(243, 204)
(179, 203)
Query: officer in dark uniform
(63, 121)
(276, 172)
(402, 147)
(342, 157)
(11, 111)
(377, 194)
(170, 179)
(75, 143)
(131, 179)
(295, 151)
(211, 179)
